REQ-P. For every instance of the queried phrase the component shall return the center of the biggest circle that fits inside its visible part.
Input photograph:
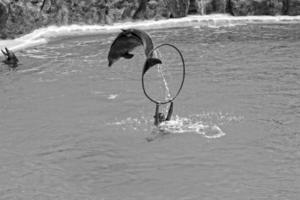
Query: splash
(205, 124)
(140, 123)
(44, 35)
(188, 125)
(112, 96)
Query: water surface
(72, 128)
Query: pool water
(73, 128)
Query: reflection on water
(75, 129)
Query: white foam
(186, 125)
(177, 125)
(43, 35)
(112, 96)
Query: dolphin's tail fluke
(150, 62)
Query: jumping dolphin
(11, 60)
(126, 41)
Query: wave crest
(44, 35)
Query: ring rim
(183, 75)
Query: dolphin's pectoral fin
(128, 55)
(4, 53)
(8, 52)
(150, 62)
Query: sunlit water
(73, 128)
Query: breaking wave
(44, 35)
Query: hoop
(183, 75)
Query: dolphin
(126, 41)
(150, 62)
(11, 60)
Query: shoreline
(46, 34)
(22, 17)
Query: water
(72, 128)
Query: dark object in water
(11, 59)
(150, 62)
(160, 117)
(126, 41)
